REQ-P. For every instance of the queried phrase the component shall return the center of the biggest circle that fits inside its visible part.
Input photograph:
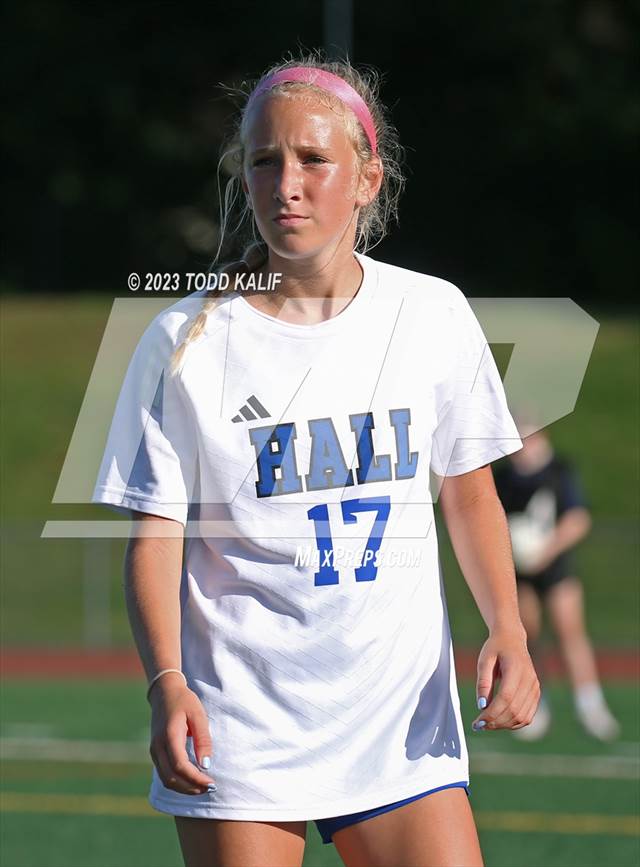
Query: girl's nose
(287, 187)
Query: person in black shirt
(548, 515)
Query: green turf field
(64, 808)
(569, 801)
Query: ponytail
(255, 255)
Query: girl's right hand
(176, 712)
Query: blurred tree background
(520, 121)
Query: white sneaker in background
(539, 725)
(600, 723)
(593, 713)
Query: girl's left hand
(504, 656)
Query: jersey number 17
(319, 514)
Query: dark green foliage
(520, 121)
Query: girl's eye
(267, 161)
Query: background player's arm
(574, 519)
(479, 534)
(573, 525)
(153, 570)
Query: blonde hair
(373, 219)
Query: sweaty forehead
(301, 120)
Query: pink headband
(327, 81)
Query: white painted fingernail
(206, 762)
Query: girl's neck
(309, 290)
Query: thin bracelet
(160, 673)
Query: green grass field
(63, 812)
(568, 801)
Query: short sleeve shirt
(301, 458)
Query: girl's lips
(289, 220)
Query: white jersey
(300, 458)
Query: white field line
(548, 765)
(487, 763)
(63, 750)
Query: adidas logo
(245, 413)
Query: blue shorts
(328, 827)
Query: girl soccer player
(548, 515)
(280, 450)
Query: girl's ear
(370, 182)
